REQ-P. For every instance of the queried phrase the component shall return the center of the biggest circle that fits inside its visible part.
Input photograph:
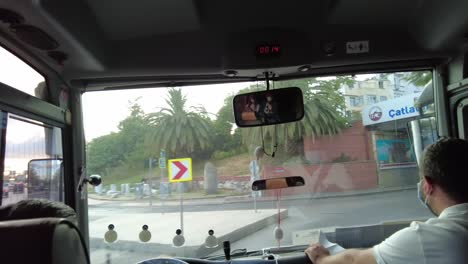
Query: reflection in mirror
(45, 179)
(422, 133)
(269, 107)
(278, 183)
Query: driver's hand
(316, 252)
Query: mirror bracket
(93, 180)
(267, 80)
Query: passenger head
(444, 171)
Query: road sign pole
(255, 202)
(180, 170)
(181, 208)
(256, 178)
(150, 182)
(160, 188)
(253, 166)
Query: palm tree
(419, 78)
(321, 117)
(177, 129)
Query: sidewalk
(196, 227)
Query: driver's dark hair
(446, 164)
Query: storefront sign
(398, 108)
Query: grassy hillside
(232, 166)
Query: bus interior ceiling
(97, 45)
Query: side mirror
(278, 183)
(423, 132)
(45, 179)
(94, 180)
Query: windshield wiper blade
(284, 249)
(241, 252)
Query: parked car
(18, 187)
(11, 186)
(6, 190)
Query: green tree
(104, 153)
(126, 146)
(419, 78)
(132, 132)
(179, 129)
(226, 140)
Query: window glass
(371, 99)
(381, 84)
(33, 154)
(352, 150)
(19, 75)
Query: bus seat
(36, 208)
(42, 240)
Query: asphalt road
(14, 198)
(303, 214)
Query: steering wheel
(163, 261)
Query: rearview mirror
(278, 183)
(269, 107)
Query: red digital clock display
(268, 50)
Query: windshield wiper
(284, 249)
(240, 252)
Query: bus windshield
(177, 172)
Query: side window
(30, 151)
(32, 160)
(19, 75)
(381, 84)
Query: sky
(21, 76)
(103, 111)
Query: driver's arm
(350, 256)
(403, 247)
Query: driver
(443, 239)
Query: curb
(146, 200)
(322, 196)
(246, 198)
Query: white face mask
(423, 199)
